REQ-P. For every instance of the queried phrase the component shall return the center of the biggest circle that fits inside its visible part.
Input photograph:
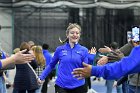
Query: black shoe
(99, 79)
(8, 86)
(94, 79)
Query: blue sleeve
(127, 65)
(0, 64)
(50, 66)
(86, 56)
(91, 58)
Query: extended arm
(125, 66)
(18, 58)
(115, 70)
(50, 66)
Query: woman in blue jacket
(70, 56)
(125, 66)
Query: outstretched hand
(81, 73)
(103, 60)
(106, 49)
(92, 50)
(40, 82)
(21, 58)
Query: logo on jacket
(78, 52)
(64, 52)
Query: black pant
(47, 79)
(88, 83)
(81, 89)
(45, 85)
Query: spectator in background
(115, 55)
(31, 44)
(40, 59)
(25, 79)
(48, 58)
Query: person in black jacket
(25, 79)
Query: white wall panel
(6, 30)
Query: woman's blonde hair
(37, 50)
(71, 26)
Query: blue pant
(2, 85)
(125, 87)
(39, 89)
(109, 85)
(132, 89)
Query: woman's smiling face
(73, 35)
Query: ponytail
(64, 41)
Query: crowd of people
(35, 66)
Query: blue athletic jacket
(69, 59)
(127, 65)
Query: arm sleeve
(50, 66)
(120, 68)
(91, 58)
(126, 49)
(85, 58)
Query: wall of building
(6, 29)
